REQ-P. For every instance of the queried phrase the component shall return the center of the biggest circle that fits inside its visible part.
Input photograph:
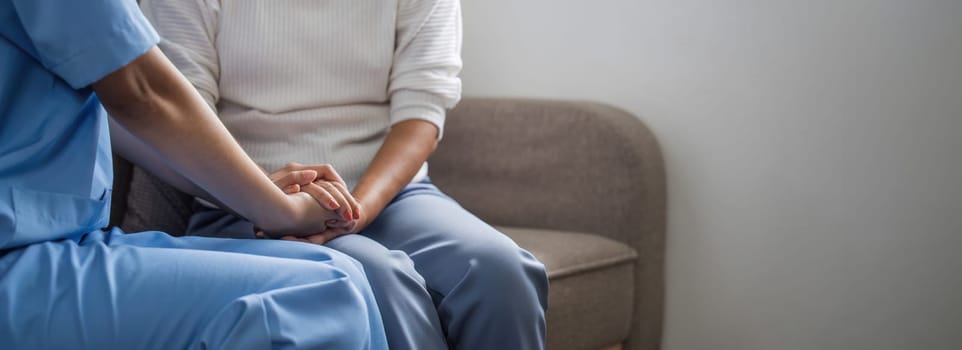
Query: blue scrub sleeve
(81, 41)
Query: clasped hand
(342, 210)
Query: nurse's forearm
(407, 146)
(140, 154)
(150, 98)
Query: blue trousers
(108, 290)
(442, 277)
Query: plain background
(813, 149)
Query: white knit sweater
(316, 81)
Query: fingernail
(347, 216)
(333, 205)
(357, 214)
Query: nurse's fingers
(319, 238)
(295, 239)
(326, 236)
(313, 239)
(284, 179)
(292, 189)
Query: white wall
(813, 149)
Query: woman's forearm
(406, 147)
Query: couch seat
(589, 273)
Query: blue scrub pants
(109, 290)
(442, 277)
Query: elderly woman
(363, 86)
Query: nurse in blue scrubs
(65, 283)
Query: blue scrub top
(55, 165)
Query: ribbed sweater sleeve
(427, 60)
(188, 31)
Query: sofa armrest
(573, 166)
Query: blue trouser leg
(146, 291)
(405, 303)
(487, 292)
(408, 312)
(490, 293)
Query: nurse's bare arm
(139, 153)
(155, 103)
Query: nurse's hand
(332, 232)
(326, 187)
(336, 227)
(306, 217)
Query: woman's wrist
(371, 205)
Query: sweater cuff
(411, 104)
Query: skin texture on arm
(135, 150)
(139, 153)
(150, 99)
(407, 146)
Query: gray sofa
(581, 185)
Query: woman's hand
(326, 186)
(334, 227)
(406, 147)
(329, 190)
(307, 217)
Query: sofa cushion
(153, 205)
(592, 286)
